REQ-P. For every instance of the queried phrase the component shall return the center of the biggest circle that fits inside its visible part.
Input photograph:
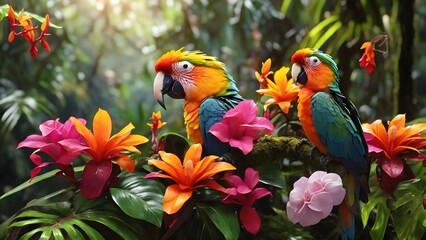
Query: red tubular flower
(367, 60)
(28, 30)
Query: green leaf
(272, 175)
(3, 11)
(324, 37)
(382, 217)
(408, 212)
(35, 180)
(317, 31)
(174, 143)
(140, 198)
(224, 218)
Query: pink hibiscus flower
(243, 193)
(241, 126)
(61, 141)
(313, 198)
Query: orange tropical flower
(191, 174)
(283, 91)
(262, 77)
(104, 150)
(394, 145)
(367, 60)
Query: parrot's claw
(324, 162)
(227, 157)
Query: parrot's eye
(314, 61)
(184, 66)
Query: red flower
(28, 30)
(367, 60)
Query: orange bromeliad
(193, 173)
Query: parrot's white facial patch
(182, 73)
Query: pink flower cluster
(60, 141)
(244, 193)
(313, 198)
(241, 126)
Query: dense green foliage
(103, 53)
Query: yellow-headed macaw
(207, 88)
(331, 122)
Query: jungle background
(104, 54)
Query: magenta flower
(313, 199)
(243, 193)
(60, 141)
(240, 126)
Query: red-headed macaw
(207, 88)
(331, 122)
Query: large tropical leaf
(408, 212)
(75, 219)
(140, 198)
(34, 181)
(224, 218)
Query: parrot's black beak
(298, 74)
(165, 84)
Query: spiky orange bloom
(367, 60)
(193, 173)
(395, 144)
(262, 77)
(283, 91)
(103, 146)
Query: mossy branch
(271, 149)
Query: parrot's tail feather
(347, 221)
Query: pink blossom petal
(35, 157)
(307, 217)
(94, 178)
(321, 202)
(393, 168)
(221, 131)
(259, 193)
(32, 141)
(250, 219)
(245, 144)
(251, 177)
(72, 145)
(234, 180)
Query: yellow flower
(265, 72)
(283, 91)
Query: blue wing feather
(337, 124)
(211, 112)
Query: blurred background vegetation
(104, 56)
